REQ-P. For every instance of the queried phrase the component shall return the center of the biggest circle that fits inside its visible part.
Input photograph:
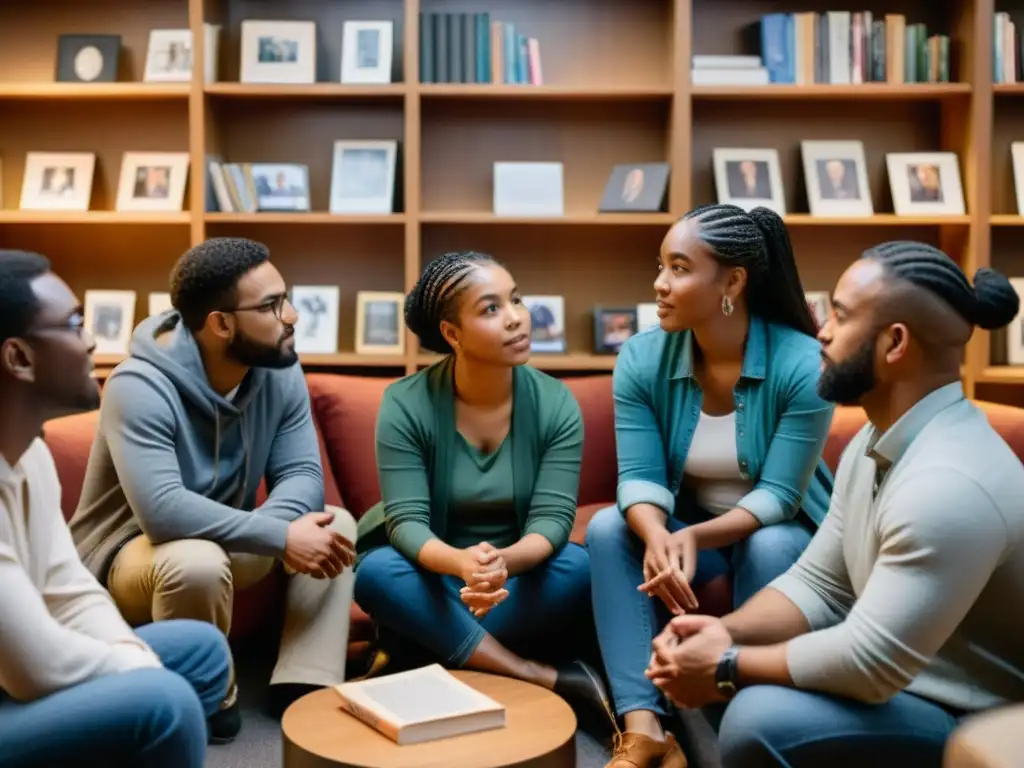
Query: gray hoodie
(175, 460)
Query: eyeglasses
(273, 304)
(74, 322)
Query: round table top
(318, 732)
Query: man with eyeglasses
(75, 679)
(209, 403)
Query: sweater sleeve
(404, 483)
(556, 488)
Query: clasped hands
(685, 658)
(485, 572)
(670, 561)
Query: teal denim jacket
(781, 423)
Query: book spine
(428, 22)
(361, 713)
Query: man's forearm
(768, 617)
(527, 553)
(763, 665)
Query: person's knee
(193, 568)
(343, 522)
(607, 529)
(753, 723)
(166, 704)
(375, 576)
(774, 548)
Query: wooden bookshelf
(617, 89)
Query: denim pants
(767, 726)
(151, 717)
(627, 620)
(549, 601)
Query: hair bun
(996, 303)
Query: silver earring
(726, 306)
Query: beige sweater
(58, 626)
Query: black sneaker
(224, 724)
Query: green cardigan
(415, 442)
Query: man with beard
(75, 679)
(209, 403)
(902, 616)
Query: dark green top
(417, 454)
(482, 507)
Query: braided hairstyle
(991, 303)
(434, 297)
(759, 242)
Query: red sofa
(345, 412)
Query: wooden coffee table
(540, 732)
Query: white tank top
(712, 467)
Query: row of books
(1006, 50)
(470, 48)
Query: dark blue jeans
(150, 717)
(549, 601)
(627, 620)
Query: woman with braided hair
(467, 556)
(719, 432)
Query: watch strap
(727, 673)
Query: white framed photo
(281, 186)
(278, 52)
(159, 302)
(316, 331)
(152, 181)
(110, 318)
(925, 183)
(169, 56)
(379, 322)
(647, 316)
(367, 51)
(547, 323)
(820, 305)
(1015, 331)
(363, 176)
(836, 175)
(749, 178)
(57, 181)
(1017, 157)
(529, 189)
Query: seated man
(210, 402)
(903, 614)
(75, 680)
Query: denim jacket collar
(754, 356)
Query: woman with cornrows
(468, 553)
(719, 433)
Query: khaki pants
(196, 579)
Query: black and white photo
(316, 331)
(363, 177)
(379, 328)
(110, 318)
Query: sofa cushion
(70, 440)
(599, 470)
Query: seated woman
(468, 553)
(719, 431)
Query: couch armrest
(993, 739)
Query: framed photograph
(749, 178)
(1017, 157)
(57, 181)
(647, 316)
(636, 187)
(612, 327)
(363, 176)
(547, 323)
(110, 318)
(820, 305)
(367, 51)
(925, 183)
(278, 52)
(281, 187)
(837, 178)
(152, 181)
(87, 58)
(529, 189)
(1015, 331)
(379, 323)
(316, 331)
(159, 302)
(169, 56)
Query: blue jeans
(151, 717)
(769, 726)
(424, 607)
(628, 620)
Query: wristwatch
(727, 675)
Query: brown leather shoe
(634, 750)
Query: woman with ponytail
(719, 433)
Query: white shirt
(58, 626)
(712, 467)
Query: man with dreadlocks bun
(467, 556)
(719, 432)
(903, 615)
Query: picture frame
(820, 304)
(57, 181)
(316, 331)
(367, 52)
(836, 176)
(170, 59)
(152, 181)
(529, 189)
(612, 327)
(925, 183)
(159, 302)
(110, 319)
(363, 176)
(749, 178)
(635, 188)
(1015, 331)
(281, 52)
(647, 316)
(281, 186)
(1017, 159)
(547, 323)
(88, 58)
(379, 324)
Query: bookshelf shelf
(1003, 374)
(878, 220)
(543, 92)
(1008, 89)
(313, 218)
(1006, 220)
(93, 217)
(329, 91)
(578, 219)
(94, 91)
(865, 91)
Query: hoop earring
(726, 306)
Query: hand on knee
(316, 547)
